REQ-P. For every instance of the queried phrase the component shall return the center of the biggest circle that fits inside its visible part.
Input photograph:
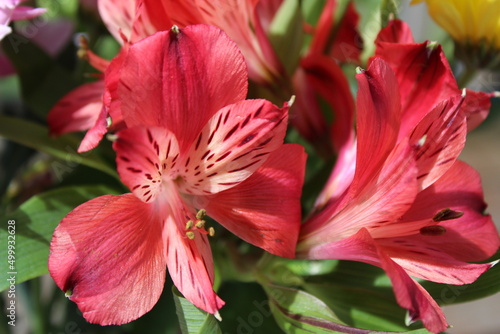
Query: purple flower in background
(11, 11)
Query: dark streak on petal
(244, 167)
(231, 132)
(198, 141)
(223, 156)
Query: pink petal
(191, 266)
(111, 99)
(358, 247)
(148, 21)
(111, 105)
(476, 108)
(424, 78)
(78, 110)
(342, 175)
(240, 21)
(108, 256)
(396, 31)
(378, 119)
(118, 16)
(95, 133)
(421, 260)
(233, 144)
(26, 13)
(413, 297)
(439, 138)
(163, 14)
(179, 80)
(264, 210)
(374, 205)
(472, 237)
(143, 157)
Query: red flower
(131, 21)
(192, 146)
(406, 204)
(424, 75)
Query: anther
(83, 47)
(175, 29)
(433, 230)
(190, 235)
(68, 293)
(447, 214)
(201, 214)
(211, 231)
(189, 225)
(200, 224)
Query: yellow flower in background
(473, 24)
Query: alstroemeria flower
(192, 147)
(408, 205)
(424, 78)
(474, 25)
(11, 11)
(132, 20)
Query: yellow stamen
(190, 235)
(201, 214)
(211, 231)
(189, 225)
(200, 224)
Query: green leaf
(360, 295)
(286, 34)
(299, 312)
(64, 147)
(370, 24)
(193, 320)
(29, 230)
(311, 10)
(58, 8)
